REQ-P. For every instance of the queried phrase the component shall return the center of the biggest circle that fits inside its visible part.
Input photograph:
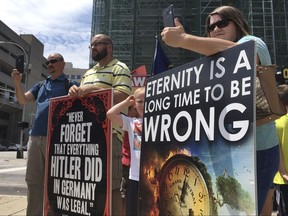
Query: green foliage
(233, 194)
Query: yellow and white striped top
(115, 75)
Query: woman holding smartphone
(226, 27)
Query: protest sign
(78, 157)
(198, 141)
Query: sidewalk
(16, 205)
(13, 205)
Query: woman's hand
(172, 36)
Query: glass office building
(134, 24)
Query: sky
(63, 26)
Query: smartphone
(20, 63)
(168, 16)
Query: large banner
(198, 142)
(78, 157)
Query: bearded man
(108, 72)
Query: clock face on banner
(183, 189)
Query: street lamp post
(22, 124)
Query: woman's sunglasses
(220, 24)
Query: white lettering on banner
(160, 124)
(157, 105)
(138, 81)
(213, 94)
(69, 167)
(176, 81)
(73, 205)
(208, 128)
(75, 116)
(56, 186)
(245, 62)
(218, 66)
(65, 167)
(83, 149)
(80, 207)
(184, 78)
(236, 89)
(185, 136)
(83, 190)
(187, 98)
(63, 203)
(75, 132)
(60, 148)
(242, 125)
(93, 169)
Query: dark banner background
(78, 174)
(205, 121)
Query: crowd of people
(226, 27)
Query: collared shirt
(114, 75)
(42, 92)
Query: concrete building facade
(10, 111)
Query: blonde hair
(140, 90)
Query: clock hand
(183, 191)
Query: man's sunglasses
(97, 44)
(220, 24)
(52, 61)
